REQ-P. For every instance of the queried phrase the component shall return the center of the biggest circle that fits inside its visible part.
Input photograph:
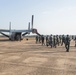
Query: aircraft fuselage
(15, 36)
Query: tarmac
(28, 58)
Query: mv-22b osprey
(18, 34)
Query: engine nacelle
(34, 30)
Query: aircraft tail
(32, 21)
(10, 26)
(28, 30)
(29, 26)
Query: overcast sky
(50, 16)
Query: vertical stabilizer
(29, 26)
(9, 30)
(32, 21)
(10, 26)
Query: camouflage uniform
(42, 38)
(36, 39)
(75, 41)
(50, 41)
(63, 40)
(47, 41)
(54, 41)
(67, 43)
(57, 39)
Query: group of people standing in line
(55, 40)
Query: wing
(4, 30)
(21, 31)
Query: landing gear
(15, 37)
(18, 37)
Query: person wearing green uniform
(67, 43)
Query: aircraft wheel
(18, 37)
